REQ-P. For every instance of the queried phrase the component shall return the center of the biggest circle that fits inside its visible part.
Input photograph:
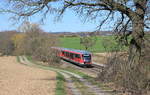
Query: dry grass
(100, 58)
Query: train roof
(75, 50)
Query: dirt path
(17, 79)
(70, 84)
(75, 89)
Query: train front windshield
(87, 58)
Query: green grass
(18, 60)
(102, 41)
(60, 85)
(29, 58)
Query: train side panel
(72, 56)
(75, 57)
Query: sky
(69, 23)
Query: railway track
(92, 70)
(95, 68)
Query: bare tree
(88, 42)
(38, 43)
(132, 14)
(18, 41)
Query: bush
(39, 47)
(132, 78)
(54, 57)
(6, 44)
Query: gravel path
(17, 79)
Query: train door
(77, 58)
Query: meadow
(103, 43)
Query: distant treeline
(81, 34)
(35, 43)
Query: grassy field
(101, 42)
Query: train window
(68, 54)
(71, 55)
(65, 53)
(87, 57)
(77, 56)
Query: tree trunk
(136, 42)
(86, 48)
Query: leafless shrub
(88, 41)
(54, 57)
(38, 43)
(132, 78)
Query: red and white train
(79, 57)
